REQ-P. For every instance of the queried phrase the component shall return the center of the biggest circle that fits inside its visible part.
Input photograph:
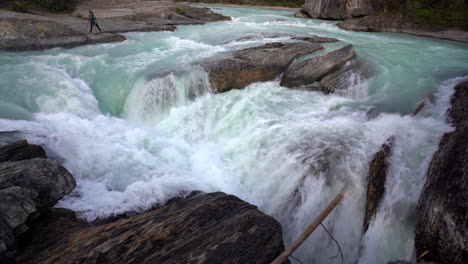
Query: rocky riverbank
(19, 32)
(398, 24)
(365, 15)
(197, 228)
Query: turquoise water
(134, 135)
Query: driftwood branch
(287, 252)
(340, 252)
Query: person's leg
(98, 27)
(91, 28)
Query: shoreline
(275, 8)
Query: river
(133, 137)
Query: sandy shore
(280, 8)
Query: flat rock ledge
(205, 228)
(442, 210)
(314, 69)
(257, 64)
(22, 32)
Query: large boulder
(314, 69)
(27, 189)
(337, 9)
(255, 64)
(205, 228)
(442, 210)
(21, 150)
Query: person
(93, 21)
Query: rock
(202, 14)
(376, 181)
(337, 9)
(27, 189)
(442, 210)
(255, 64)
(205, 228)
(314, 69)
(349, 74)
(399, 262)
(301, 14)
(316, 39)
(21, 150)
(399, 24)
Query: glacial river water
(133, 137)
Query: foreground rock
(443, 205)
(21, 150)
(336, 9)
(27, 189)
(205, 228)
(398, 24)
(314, 69)
(255, 64)
(376, 181)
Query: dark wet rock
(21, 150)
(316, 39)
(314, 69)
(27, 189)
(349, 74)
(376, 181)
(337, 9)
(205, 228)
(399, 24)
(255, 64)
(442, 227)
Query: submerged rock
(316, 39)
(27, 189)
(314, 69)
(255, 64)
(442, 210)
(205, 228)
(376, 181)
(21, 150)
(337, 9)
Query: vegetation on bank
(285, 3)
(443, 13)
(56, 6)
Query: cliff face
(337, 9)
(443, 207)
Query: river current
(134, 137)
